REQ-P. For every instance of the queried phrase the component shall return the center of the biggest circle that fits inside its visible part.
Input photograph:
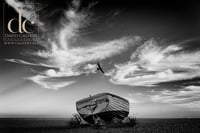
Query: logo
(17, 29)
(21, 25)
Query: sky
(149, 51)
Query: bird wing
(100, 68)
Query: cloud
(76, 61)
(60, 51)
(186, 97)
(28, 9)
(152, 64)
(98, 51)
(45, 82)
(149, 65)
(90, 68)
(50, 79)
(19, 61)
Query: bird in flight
(99, 67)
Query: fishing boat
(104, 106)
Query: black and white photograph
(99, 66)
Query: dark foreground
(62, 126)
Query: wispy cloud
(60, 50)
(45, 82)
(23, 62)
(28, 9)
(76, 61)
(152, 63)
(98, 51)
(186, 97)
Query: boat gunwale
(98, 95)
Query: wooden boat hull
(105, 106)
